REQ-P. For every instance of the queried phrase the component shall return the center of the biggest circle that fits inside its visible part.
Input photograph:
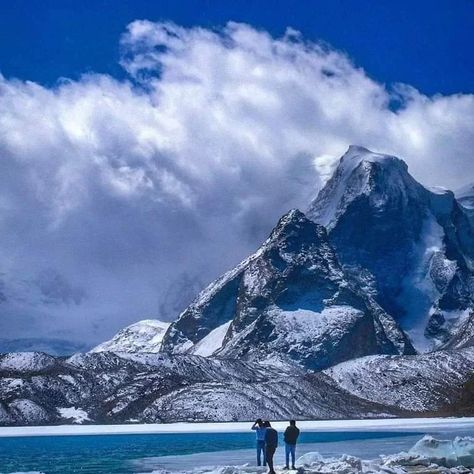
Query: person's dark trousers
(261, 453)
(290, 449)
(269, 452)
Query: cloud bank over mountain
(120, 198)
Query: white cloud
(122, 187)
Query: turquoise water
(114, 454)
(121, 454)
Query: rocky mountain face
(106, 387)
(143, 336)
(411, 248)
(290, 301)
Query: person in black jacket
(271, 443)
(291, 436)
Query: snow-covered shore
(428, 455)
(396, 424)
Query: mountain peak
(294, 225)
(293, 215)
(291, 218)
(357, 149)
(356, 154)
(360, 172)
(142, 336)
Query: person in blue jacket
(271, 443)
(260, 433)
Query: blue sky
(172, 149)
(427, 44)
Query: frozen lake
(182, 449)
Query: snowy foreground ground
(428, 455)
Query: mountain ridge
(107, 387)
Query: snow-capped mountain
(406, 250)
(410, 247)
(288, 301)
(320, 322)
(143, 336)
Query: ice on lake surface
(202, 452)
(390, 455)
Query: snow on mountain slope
(108, 387)
(143, 336)
(290, 300)
(315, 339)
(75, 414)
(274, 398)
(420, 382)
(411, 248)
(24, 362)
(211, 343)
(26, 409)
